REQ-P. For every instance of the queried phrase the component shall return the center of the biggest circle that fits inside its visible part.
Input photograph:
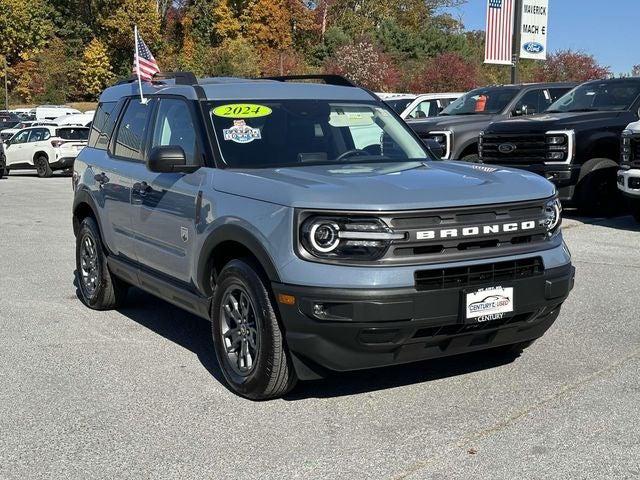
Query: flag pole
(517, 32)
(137, 56)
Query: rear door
(164, 204)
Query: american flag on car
(144, 65)
(499, 31)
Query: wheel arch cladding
(39, 154)
(226, 243)
(83, 206)
(596, 164)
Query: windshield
(399, 106)
(482, 101)
(294, 133)
(598, 97)
(73, 133)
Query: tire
(42, 167)
(4, 171)
(598, 193)
(99, 289)
(473, 158)
(250, 325)
(635, 210)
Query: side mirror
(522, 111)
(169, 159)
(434, 147)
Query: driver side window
(174, 126)
(531, 103)
(21, 137)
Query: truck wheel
(635, 210)
(249, 342)
(99, 289)
(42, 167)
(598, 193)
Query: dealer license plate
(488, 304)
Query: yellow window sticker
(241, 110)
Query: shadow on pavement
(194, 334)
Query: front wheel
(635, 210)
(249, 342)
(598, 193)
(42, 167)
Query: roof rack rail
(337, 80)
(181, 78)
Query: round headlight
(553, 215)
(324, 236)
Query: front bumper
(375, 328)
(629, 182)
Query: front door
(164, 204)
(16, 152)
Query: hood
(387, 186)
(551, 121)
(436, 123)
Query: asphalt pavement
(137, 393)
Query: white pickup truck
(418, 106)
(629, 174)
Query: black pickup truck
(457, 127)
(575, 143)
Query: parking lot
(137, 393)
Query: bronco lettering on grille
(475, 231)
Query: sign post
(515, 58)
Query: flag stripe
(144, 65)
(499, 31)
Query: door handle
(142, 188)
(101, 178)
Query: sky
(608, 29)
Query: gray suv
(311, 226)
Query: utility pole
(517, 32)
(6, 84)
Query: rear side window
(39, 135)
(74, 133)
(132, 130)
(102, 126)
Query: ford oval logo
(507, 148)
(533, 47)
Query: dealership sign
(534, 29)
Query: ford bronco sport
(310, 225)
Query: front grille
(426, 240)
(528, 149)
(491, 273)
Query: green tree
(23, 26)
(236, 57)
(95, 69)
(118, 28)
